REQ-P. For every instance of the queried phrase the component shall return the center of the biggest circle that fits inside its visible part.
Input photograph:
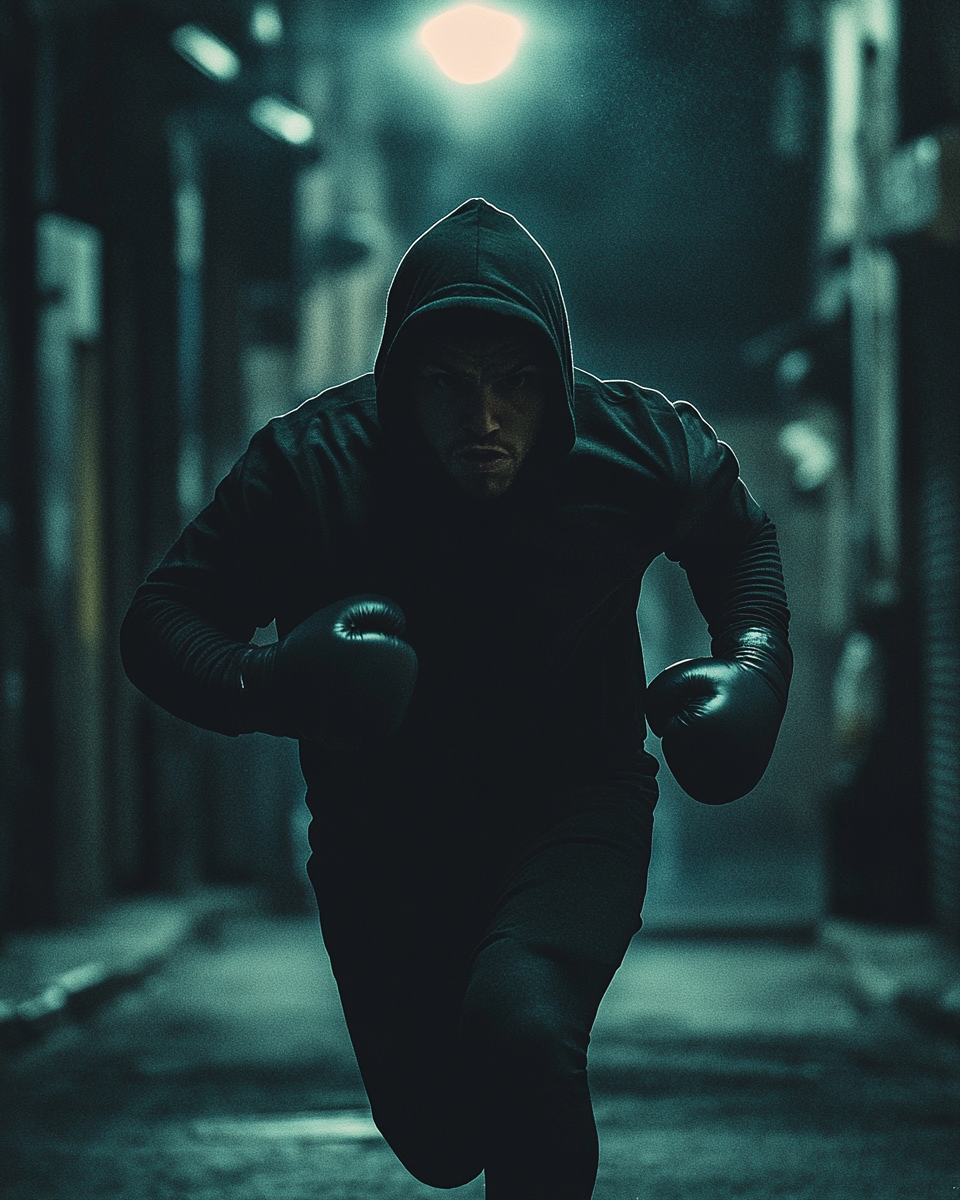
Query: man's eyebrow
(437, 362)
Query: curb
(135, 940)
(915, 972)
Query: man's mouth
(482, 458)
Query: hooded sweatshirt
(521, 608)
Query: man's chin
(484, 485)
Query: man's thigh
(558, 929)
(576, 889)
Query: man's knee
(430, 1155)
(436, 1148)
(519, 1019)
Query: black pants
(471, 963)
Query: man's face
(479, 392)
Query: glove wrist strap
(761, 649)
(257, 693)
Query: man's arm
(740, 587)
(188, 628)
(185, 662)
(344, 676)
(719, 717)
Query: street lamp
(205, 51)
(472, 43)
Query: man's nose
(483, 411)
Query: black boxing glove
(344, 677)
(718, 718)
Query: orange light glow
(471, 43)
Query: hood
(475, 257)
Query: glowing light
(281, 120)
(207, 53)
(471, 43)
(813, 457)
(266, 24)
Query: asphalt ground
(720, 1069)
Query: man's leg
(406, 1048)
(470, 986)
(558, 933)
(399, 948)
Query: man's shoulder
(639, 433)
(341, 417)
(350, 403)
(621, 414)
(626, 403)
(618, 393)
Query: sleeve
(728, 547)
(713, 506)
(186, 633)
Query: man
(452, 549)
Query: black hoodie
(483, 258)
(521, 608)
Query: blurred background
(751, 204)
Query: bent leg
(399, 956)
(404, 1032)
(559, 931)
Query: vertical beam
(23, 897)
(29, 775)
(69, 486)
(880, 859)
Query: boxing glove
(718, 718)
(344, 677)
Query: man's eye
(520, 382)
(441, 381)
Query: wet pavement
(720, 1069)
